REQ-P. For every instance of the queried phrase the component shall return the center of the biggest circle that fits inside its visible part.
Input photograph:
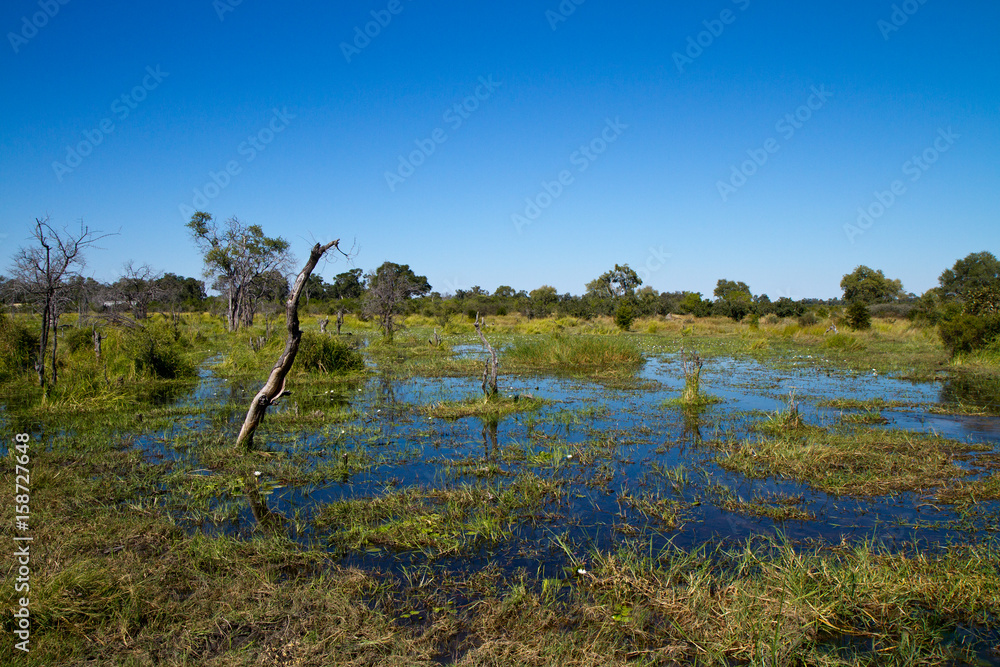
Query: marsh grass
(610, 355)
(436, 522)
(858, 461)
(775, 506)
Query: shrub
(808, 319)
(17, 348)
(966, 333)
(624, 316)
(327, 355)
(858, 316)
(155, 351)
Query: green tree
(237, 255)
(975, 281)
(692, 303)
(346, 285)
(869, 286)
(389, 286)
(542, 300)
(621, 281)
(733, 299)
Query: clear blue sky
(175, 92)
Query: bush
(327, 355)
(858, 316)
(808, 319)
(966, 333)
(155, 351)
(18, 346)
(624, 316)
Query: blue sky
(726, 139)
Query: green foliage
(18, 346)
(692, 304)
(977, 272)
(858, 316)
(618, 282)
(624, 316)
(155, 352)
(733, 299)
(327, 355)
(966, 333)
(785, 307)
(869, 286)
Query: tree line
(250, 271)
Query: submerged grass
(490, 410)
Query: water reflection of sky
(646, 433)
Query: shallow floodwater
(639, 437)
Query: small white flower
(342, 431)
(581, 571)
(569, 456)
(256, 473)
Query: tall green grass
(18, 345)
(576, 353)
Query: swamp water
(618, 465)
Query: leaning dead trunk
(274, 388)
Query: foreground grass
(115, 582)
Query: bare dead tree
(137, 287)
(323, 323)
(274, 388)
(44, 270)
(340, 320)
(490, 372)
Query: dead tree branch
(490, 372)
(274, 388)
